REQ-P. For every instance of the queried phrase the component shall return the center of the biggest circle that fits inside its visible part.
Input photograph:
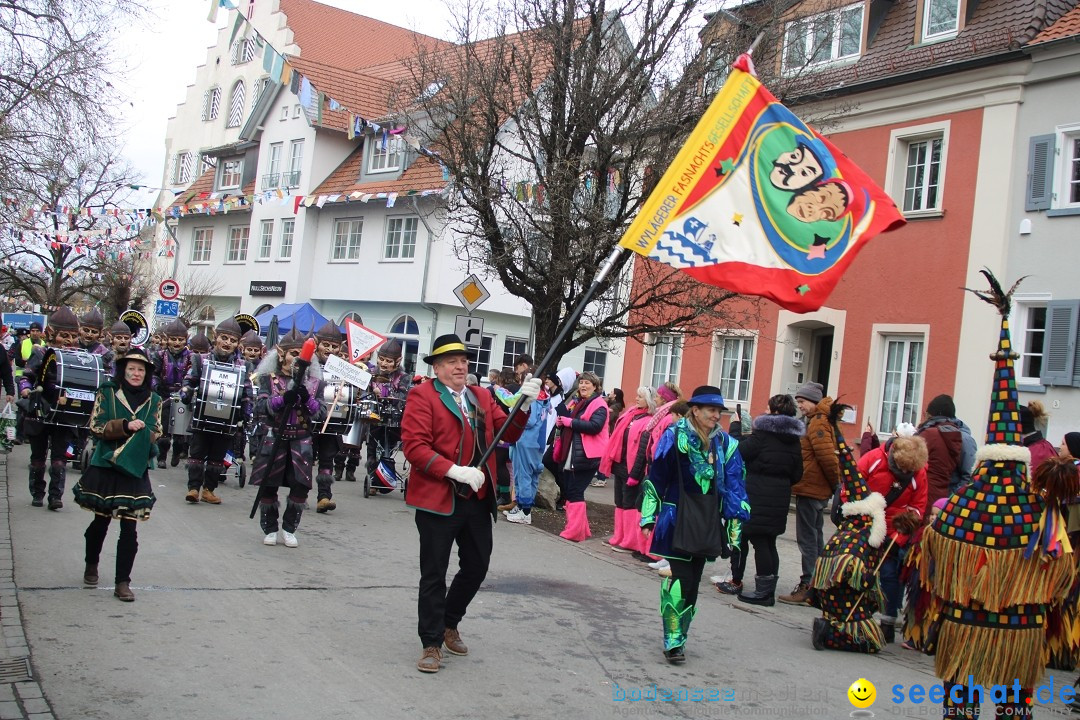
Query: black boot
(764, 591)
(37, 483)
(57, 479)
(291, 519)
(888, 628)
(268, 517)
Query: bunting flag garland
(759, 203)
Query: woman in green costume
(126, 421)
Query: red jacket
(434, 437)
(875, 468)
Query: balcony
(283, 180)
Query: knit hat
(1072, 441)
(251, 339)
(176, 328)
(941, 406)
(63, 319)
(811, 391)
(229, 326)
(200, 343)
(291, 340)
(92, 318)
(329, 332)
(119, 328)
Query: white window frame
(350, 251)
(744, 369)
(900, 140)
(202, 242)
(943, 34)
(222, 177)
(243, 51)
(1020, 327)
(388, 160)
(591, 366)
(296, 164)
(908, 411)
(508, 357)
(400, 251)
(487, 344)
(671, 360)
(182, 169)
(806, 25)
(410, 343)
(211, 104)
(237, 104)
(284, 113)
(266, 241)
(296, 111)
(1066, 157)
(236, 249)
(286, 239)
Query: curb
(20, 694)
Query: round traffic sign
(169, 289)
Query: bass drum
(217, 405)
(341, 419)
(76, 375)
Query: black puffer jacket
(773, 458)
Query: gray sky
(161, 53)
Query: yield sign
(361, 340)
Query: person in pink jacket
(897, 470)
(621, 450)
(581, 442)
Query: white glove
(530, 390)
(471, 476)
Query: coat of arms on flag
(759, 203)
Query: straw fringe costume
(996, 562)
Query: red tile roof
(360, 94)
(204, 185)
(343, 39)
(1068, 25)
(424, 174)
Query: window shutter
(1040, 182)
(1060, 357)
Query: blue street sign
(167, 308)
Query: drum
(75, 374)
(390, 411)
(179, 416)
(217, 404)
(341, 419)
(367, 410)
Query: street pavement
(225, 627)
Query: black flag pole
(568, 327)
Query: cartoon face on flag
(759, 203)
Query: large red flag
(759, 203)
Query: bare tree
(552, 135)
(200, 287)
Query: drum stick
(333, 407)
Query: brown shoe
(452, 642)
(192, 496)
(430, 660)
(90, 575)
(123, 591)
(799, 596)
(208, 496)
(325, 505)
(508, 506)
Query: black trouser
(206, 459)
(688, 573)
(52, 443)
(348, 457)
(294, 504)
(627, 497)
(326, 451)
(470, 526)
(576, 481)
(127, 545)
(766, 557)
(388, 438)
(502, 474)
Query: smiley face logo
(862, 693)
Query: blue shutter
(1059, 357)
(1040, 176)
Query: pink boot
(634, 537)
(618, 538)
(577, 523)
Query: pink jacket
(595, 445)
(618, 452)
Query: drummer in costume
(697, 471)
(328, 445)
(289, 405)
(48, 439)
(206, 454)
(445, 429)
(252, 349)
(348, 458)
(91, 325)
(171, 367)
(389, 380)
(120, 344)
(126, 420)
(997, 561)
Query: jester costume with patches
(845, 584)
(290, 412)
(684, 466)
(996, 563)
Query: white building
(348, 223)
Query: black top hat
(446, 345)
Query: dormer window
(386, 154)
(941, 19)
(822, 39)
(230, 173)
